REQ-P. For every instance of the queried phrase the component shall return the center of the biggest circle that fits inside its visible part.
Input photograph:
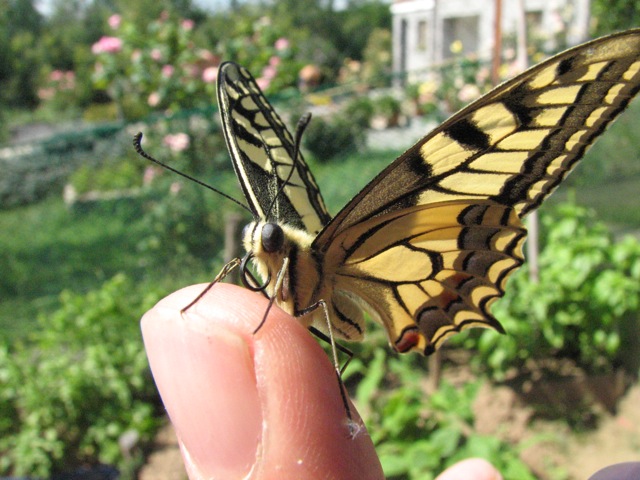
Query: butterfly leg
(354, 427)
(228, 268)
(278, 286)
(339, 347)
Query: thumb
(258, 406)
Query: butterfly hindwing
(262, 151)
(428, 271)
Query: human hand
(259, 406)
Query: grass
(46, 248)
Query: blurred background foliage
(91, 235)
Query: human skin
(258, 406)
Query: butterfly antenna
(137, 139)
(302, 125)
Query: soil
(555, 449)
(165, 461)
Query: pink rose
(263, 83)
(167, 71)
(275, 61)
(177, 142)
(107, 45)
(114, 21)
(154, 99)
(210, 74)
(56, 75)
(281, 44)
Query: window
(422, 40)
(463, 31)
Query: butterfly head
(268, 243)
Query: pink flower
(136, 55)
(275, 61)
(468, 92)
(114, 21)
(66, 80)
(156, 54)
(210, 74)
(281, 44)
(46, 93)
(187, 24)
(263, 83)
(167, 71)
(269, 72)
(207, 56)
(175, 188)
(177, 142)
(154, 99)
(150, 173)
(482, 75)
(107, 45)
(56, 75)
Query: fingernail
(211, 396)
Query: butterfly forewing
(262, 150)
(515, 144)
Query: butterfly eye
(272, 237)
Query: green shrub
(418, 435)
(327, 139)
(83, 381)
(118, 175)
(585, 306)
(182, 221)
(360, 110)
(387, 106)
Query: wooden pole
(497, 43)
(231, 243)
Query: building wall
(424, 30)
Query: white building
(424, 30)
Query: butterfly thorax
(269, 245)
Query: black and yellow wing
(428, 245)
(277, 186)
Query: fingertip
(203, 368)
(471, 468)
(618, 471)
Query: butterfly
(428, 245)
